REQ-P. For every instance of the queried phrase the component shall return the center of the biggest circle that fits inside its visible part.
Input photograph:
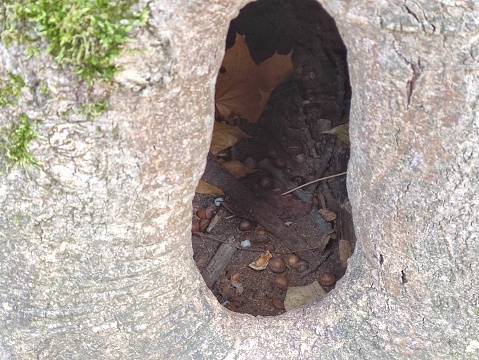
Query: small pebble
(219, 200)
(245, 243)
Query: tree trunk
(96, 258)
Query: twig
(314, 181)
(211, 237)
(312, 269)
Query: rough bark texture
(96, 259)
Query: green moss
(15, 143)
(10, 89)
(92, 110)
(44, 89)
(83, 34)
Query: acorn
(276, 264)
(245, 225)
(204, 223)
(205, 213)
(271, 153)
(280, 162)
(248, 235)
(261, 235)
(293, 260)
(266, 182)
(327, 279)
(301, 266)
(301, 158)
(250, 163)
(195, 227)
(295, 147)
(280, 282)
(269, 246)
(277, 303)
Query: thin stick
(211, 237)
(314, 181)
(313, 269)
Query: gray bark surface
(96, 259)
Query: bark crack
(410, 12)
(420, 19)
(417, 68)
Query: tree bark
(96, 258)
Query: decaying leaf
(206, 189)
(237, 168)
(327, 215)
(224, 136)
(261, 262)
(341, 131)
(344, 252)
(298, 296)
(243, 88)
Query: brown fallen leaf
(243, 88)
(237, 168)
(341, 131)
(288, 208)
(302, 295)
(327, 215)
(204, 188)
(224, 136)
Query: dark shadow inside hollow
(297, 136)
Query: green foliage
(83, 34)
(15, 141)
(10, 90)
(44, 89)
(92, 110)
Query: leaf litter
(261, 107)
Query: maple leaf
(237, 168)
(224, 136)
(243, 88)
(341, 131)
(207, 189)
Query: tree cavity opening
(282, 111)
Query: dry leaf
(206, 189)
(261, 262)
(224, 136)
(341, 131)
(237, 168)
(327, 215)
(243, 88)
(301, 295)
(344, 252)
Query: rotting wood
(221, 213)
(242, 203)
(218, 263)
(315, 268)
(302, 195)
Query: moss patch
(15, 142)
(10, 89)
(83, 34)
(94, 109)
